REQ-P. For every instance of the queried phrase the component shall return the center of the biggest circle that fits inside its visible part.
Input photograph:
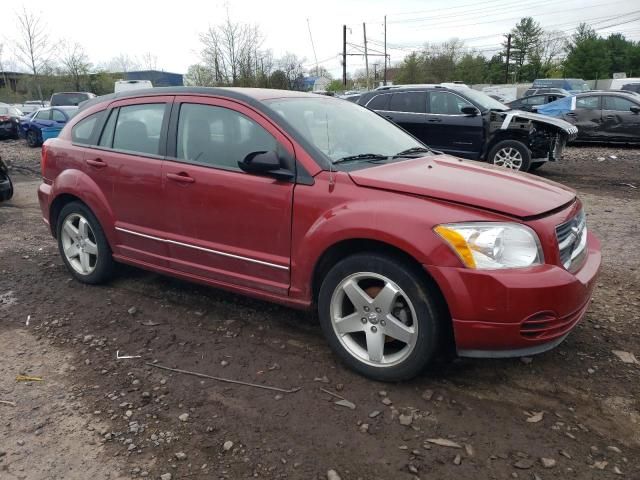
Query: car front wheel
(83, 245)
(511, 154)
(379, 317)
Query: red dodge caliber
(315, 202)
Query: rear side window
(537, 100)
(413, 102)
(58, 116)
(106, 139)
(618, 104)
(138, 128)
(379, 102)
(590, 103)
(82, 131)
(219, 137)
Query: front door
(450, 130)
(587, 117)
(618, 121)
(226, 225)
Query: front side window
(81, 131)
(445, 103)
(537, 100)
(138, 128)
(43, 115)
(219, 137)
(618, 104)
(590, 103)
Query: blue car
(45, 123)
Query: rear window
(71, 99)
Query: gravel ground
(571, 413)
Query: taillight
(4, 118)
(43, 162)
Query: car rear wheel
(33, 139)
(511, 154)
(379, 317)
(83, 245)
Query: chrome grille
(572, 240)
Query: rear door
(127, 166)
(42, 119)
(450, 130)
(587, 117)
(408, 110)
(619, 123)
(226, 225)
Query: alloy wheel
(374, 319)
(508, 157)
(79, 244)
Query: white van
(617, 83)
(123, 85)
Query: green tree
(411, 70)
(278, 79)
(587, 55)
(471, 68)
(526, 38)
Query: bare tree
(149, 61)
(122, 63)
(75, 62)
(230, 51)
(34, 48)
(2, 69)
(291, 65)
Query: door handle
(181, 177)
(610, 117)
(434, 120)
(98, 163)
(570, 114)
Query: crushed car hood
(468, 182)
(570, 130)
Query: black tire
(535, 166)
(409, 279)
(33, 139)
(513, 144)
(104, 264)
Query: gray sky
(170, 29)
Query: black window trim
(162, 141)
(301, 177)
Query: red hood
(469, 183)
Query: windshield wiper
(410, 151)
(361, 156)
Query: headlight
(489, 246)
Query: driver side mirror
(635, 109)
(472, 111)
(265, 163)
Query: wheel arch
(344, 248)
(501, 135)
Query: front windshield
(482, 99)
(342, 129)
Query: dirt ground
(570, 413)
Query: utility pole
(385, 51)
(344, 56)
(506, 70)
(313, 47)
(366, 58)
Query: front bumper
(509, 313)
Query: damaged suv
(467, 123)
